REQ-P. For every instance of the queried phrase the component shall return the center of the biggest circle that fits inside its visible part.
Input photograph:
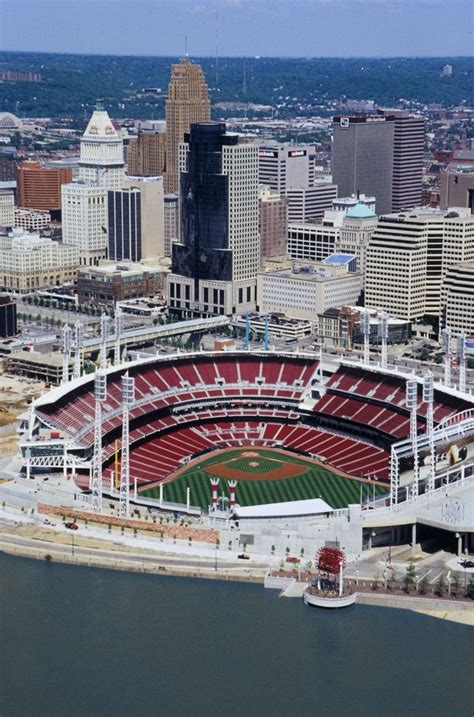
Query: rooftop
(100, 126)
(360, 211)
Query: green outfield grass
(315, 482)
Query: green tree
(440, 587)
(423, 586)
(409, 578)
(469, 591)
(455, 586)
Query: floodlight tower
(128, 397)
(67, 345)
(461, 356)
(247, 332)
(78, 340)
(383, 335)
(118, 335)
(446, 336)
(365, 326)
(266, 341)
(428, 398)
(104, 335)
(100, 393)
(412, 404)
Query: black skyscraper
(203, 252)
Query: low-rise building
(47, 367)
(313, 242)
(32, 220)
(457, 188)
(30, 261)
(345, 204)
(342, 327)
(111, 282)
(307, 290)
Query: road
(116, 556)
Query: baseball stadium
(211, 430)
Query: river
(81, 641)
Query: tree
(440, 587)
(375, 582)
(423, 586)
(469, 591)
(455, 586)
(409, 578)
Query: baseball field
(264, 476)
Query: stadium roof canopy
(291, 508)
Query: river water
(80, 641)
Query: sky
(290, 28)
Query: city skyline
(320, 28)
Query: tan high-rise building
(147, 154)
(188, 103)
(272, 223)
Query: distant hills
(71, 83)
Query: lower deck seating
(160, 456)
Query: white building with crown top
(102, 159)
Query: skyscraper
(40, 187)
(285, 166)
(124, 215)
(171, 222)
(152, 214)
(408, 256)
(101, 161)
(188, 103)
(147, 154)
(290, 170)
(215, 263)
(84, 220)
(273, 223)
(362, 157)
(408, 145)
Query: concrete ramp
(294, 590)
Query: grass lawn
(314, 482)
